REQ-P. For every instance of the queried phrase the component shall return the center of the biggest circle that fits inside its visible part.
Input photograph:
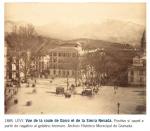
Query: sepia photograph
(74, 58)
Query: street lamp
(118, 107)
(67, 81)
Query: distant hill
(115, 31)
(120, 35)
(111, 30)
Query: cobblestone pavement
(42, 99)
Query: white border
(1, 58)
(2, 116)
(76, 1)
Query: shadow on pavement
(52, 92)
(140, 109)
(142, 93)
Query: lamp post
(118, 107)
(67, 81)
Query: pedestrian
(28, 84)
(117, 87)
(114, 89)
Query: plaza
(132, 100)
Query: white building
(65, 60)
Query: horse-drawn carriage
(88, 91)
(61, 90)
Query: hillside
(110, 30)
(113, 31)
(42, 43)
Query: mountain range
(113, 31)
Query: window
(50, 60)
(67, 72)
(63, 73)
(59, 72)
(54, 66)
(132, 72)
(55, 54)
(73, 72)
(55, 60)
(131, 79)
(141, 80)
(68, 54)
(74, 55)
(54, 72)
(141, 72)
(50, 54)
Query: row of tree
(21, 43)
(109, 66)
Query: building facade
(64, 61)
(5, 59)
(137, 72)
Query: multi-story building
(137, 72)
(39, 66)
(65, 60)
(5, 59)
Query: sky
(74, 13)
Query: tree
(20, 40)
(143, 41)
(108, 66)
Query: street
(43, 100)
